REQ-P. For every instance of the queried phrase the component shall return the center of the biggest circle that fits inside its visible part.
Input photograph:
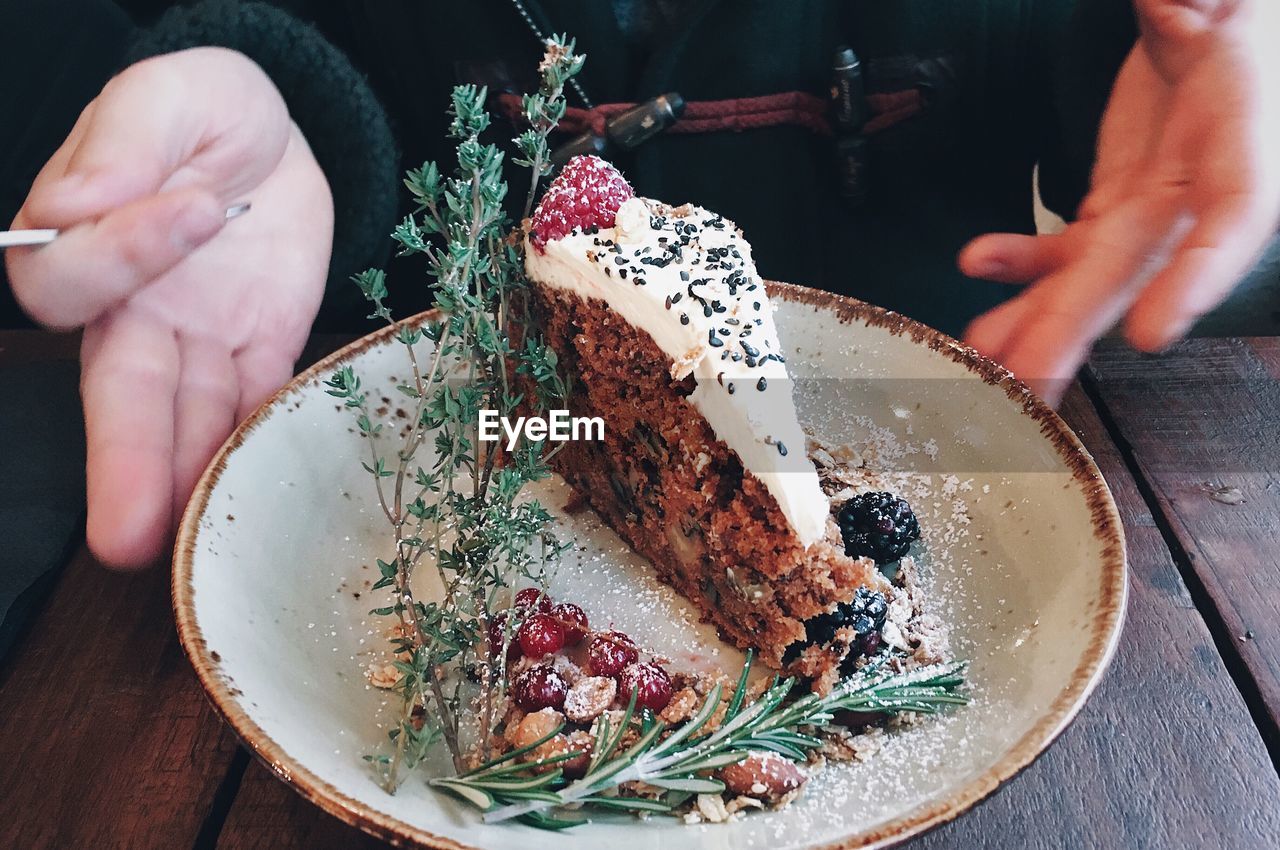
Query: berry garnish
(531, 597)
(497, 632)
(573, 620)
(879, 526)
(541, 635)
(651, 684)
(609, 653)
(586, 193)
(539, 687)
(865, 614)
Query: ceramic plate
(1023, 555)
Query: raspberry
(651, 684)
(610, 652)
(541, 635)
(586, 193)
(574, 621)
(539, 687)
(531, 596)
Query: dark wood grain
(1164, 755)
(268, 815)
(1203, 423)
(107, 739)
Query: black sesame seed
(730, 388)
(668, 302)
(714, 340)
(750, 349)
(622, 273)
(620, 260)
(761, 384)
(782, 449)
(684, 275)
(684, 318)
(675, 299)
(722, 331)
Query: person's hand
(190, 321)
(1185, 195)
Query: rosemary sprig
(684, 761)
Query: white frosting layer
(685, 277)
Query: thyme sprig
(450, 501)
(683, 760)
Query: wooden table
(106, 739)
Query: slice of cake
(665, 330)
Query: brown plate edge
(1107, 619)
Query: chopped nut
(579, 742)
(712, 808)
(537, 725)
(682, 706)
(615, 719)
(766, 776)
(737, 804)
(589, 698)
(568, 671)
(383, 675)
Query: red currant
(574, 621)
(539, 687)
(541, 635)
(498, 631)
(651, 684)
(531, 597)
(610, 652)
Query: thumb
(92, 267)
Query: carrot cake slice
(664, 326)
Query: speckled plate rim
(1106, 625)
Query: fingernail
(992, 268)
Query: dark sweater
(1006, 83)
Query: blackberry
(865, 613)
(879, 526)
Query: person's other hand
(1185, 195)
(190, 321)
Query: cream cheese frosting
(685, 276)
